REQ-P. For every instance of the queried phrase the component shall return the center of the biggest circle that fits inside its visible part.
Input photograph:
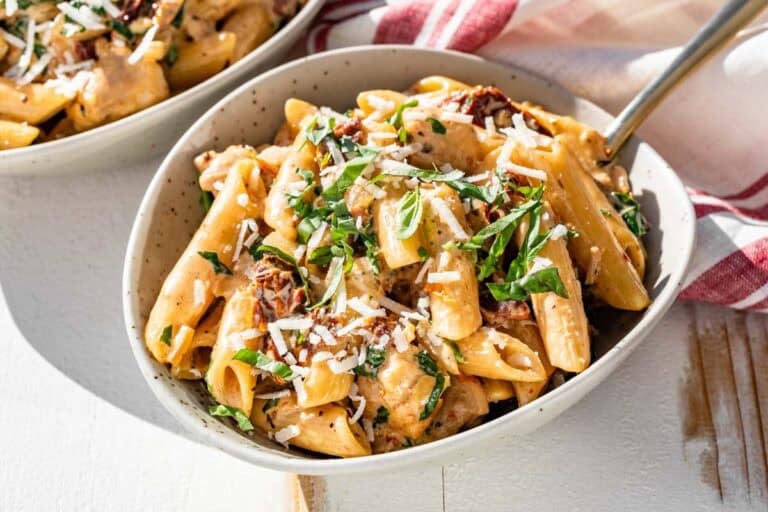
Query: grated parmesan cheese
(283, 435)
(303, 355)
(325, 334)
(476, 177)
(298, 370)
(368, 427)
(490, 126)
(199, 293)
(11, 6)
(379, 103)
(359, 412)
(82, 15)
(351, 326)
(525, 171)
(242, 199)
(424, 269)
(343, 366)
(559, 232)
(36, 69)
(455, 116)
(449, 218)
(277, 338)
(290, 359)
(143, 46)
(293, 323)
(301, 393)
(401, 344)
(314, 339)
(364, 309)
(449, 276)
(12, 39)
(275, 394)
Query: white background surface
(81, 431)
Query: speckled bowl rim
(187, 96)
(485, 432)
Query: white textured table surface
(81, 431)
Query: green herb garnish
(172, 55)
(233, 412)
(409, 212)
(456, 351)
(427, 364)
(165, 337)
(373, 359)
(213, 258)
(333, 284)
(272, 402)
(437, 126)
(382, 416)
(121, 28)
(629, 209)
(179, 18)
(434, 397)
(259, 360)
(545, 280)
(397, 119)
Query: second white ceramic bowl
(150, 132)
(170, 213)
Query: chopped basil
(382, 416)
(121, 28)
(352, 170)
(502, 230)
(307, 226)
(409, 212)
(179, 18)
(213, 258)
(434, 397)
(545, 280)
(427, 364)
(333, 285)
(423, 254)
(206, 200)
(259, 360)
(437, 126)
(316, 133)
(373, 359)
(298, 199)
(258, 251)
(233, 412)
(487, 194)
(629, 209)
(172, 55)
(272, 402)
(397, 119)
(39, 50)
(606, 212)
(424, 175)
(456, 351)
(99, 10)
(165, 337)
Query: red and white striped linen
(713, 129)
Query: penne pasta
(375, 279)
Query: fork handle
(730, 19)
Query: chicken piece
(464, 403)
(117, 88)
(403, 388)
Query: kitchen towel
(713, 129)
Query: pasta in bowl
(387, 273)
(376, 279)
(73, 66)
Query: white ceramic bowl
(170, 213)
(150, 132)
